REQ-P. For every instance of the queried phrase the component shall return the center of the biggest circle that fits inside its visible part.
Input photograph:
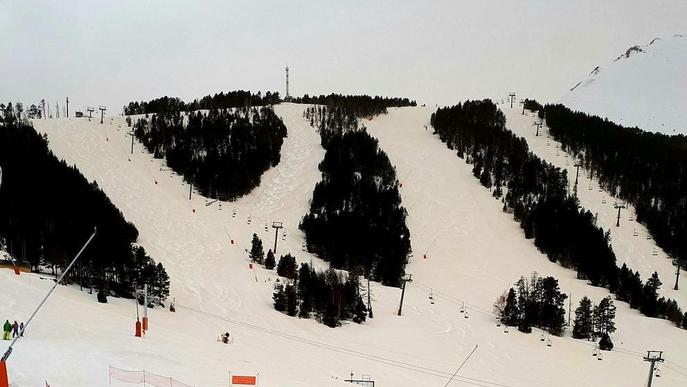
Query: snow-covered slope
(473, 252)
(646, 86)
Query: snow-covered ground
(473, 252)
(645, 87)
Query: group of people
(225, 337)
(15, 330)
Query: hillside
(645, 86)
(466, 250)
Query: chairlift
(541, 337)
(600, 356)
(462, 308)
(634, 233)
(249, 220)
(658, 372)
(233, 214)
(431, 295)
(648, 237)
(549, 343)
(595, 352)
(498, 322)
(603, 201)
(654, 253)
(505, 329)
(631, 218)
(466, 314)
(266, 229)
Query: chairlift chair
(600, 356)
(466, 314)
(541, 337)
(505, 329)
(549, 343)
(658, 372)
(595, 352)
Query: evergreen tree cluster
(646, 169)
(232, 99)
(533, 105)
(223, 153)
(327, 296)
(356, 221)
(48, 210)
(536, 301)
(361, 106)
(537, 194)
(592, 321)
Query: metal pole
(9, 349)
(403, 291)
(369, 304)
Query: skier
(225, 338)
(6, 330)
(21, 329)
(15, 329)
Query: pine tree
(649, 305)
(605, 344)
(291, 300)
(257, 254)
(279, 298)
(511, 312)
(269, 260)
(583, 320)
(305, 290)
(287, 266)
(605, 314)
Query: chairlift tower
(511, 97)
(276, 226)
(538, 125)
(102, 112)
(90, 111)
(619, 206)
(653, 357)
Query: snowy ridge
(646, 86)
(473, 252)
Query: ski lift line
(456, 301)
(343, 350)
(461, 366)
(451, 299)
(9, 349)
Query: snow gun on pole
(3, 369)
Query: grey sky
(111, 52)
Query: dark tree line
(646, 169)
(356, 221)
(48, 210)
(223, 153)
(231, 99)
(536, 193)
(327, 296)
(362, 106)
(535, 301)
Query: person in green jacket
(6, 330)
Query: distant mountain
(646, 86)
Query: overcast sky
(112, 52)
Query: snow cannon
(4, 380)
(145, 323)
(16, 270)
(138, 330)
